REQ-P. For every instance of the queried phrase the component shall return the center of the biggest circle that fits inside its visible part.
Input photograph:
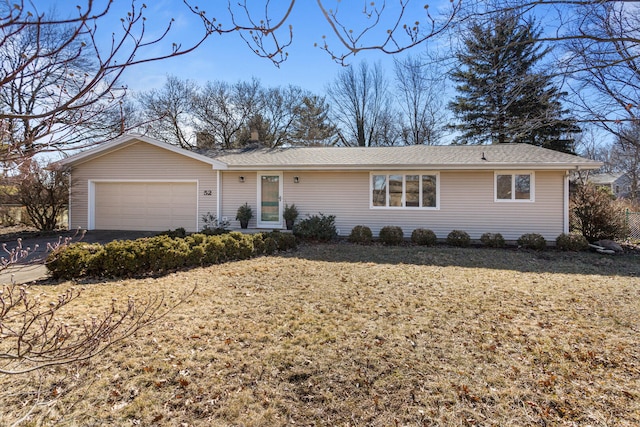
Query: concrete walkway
(32, 268)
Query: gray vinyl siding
(140, 161)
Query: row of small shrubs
(127, 258)
(393, 235)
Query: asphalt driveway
(32, 268)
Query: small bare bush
(596, 215)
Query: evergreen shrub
(391, 235)
(361, 234)
(572, 242)
(424, 237)
(320, 228)
(493, 240)
(532, 241)
(459, 238)
(159, 254)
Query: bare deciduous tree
(355, 27)
(604, 67)
(360, 101)
(44, 193)
(168, 111)
(420, 87)
(221, 110)
(58, 84)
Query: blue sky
(227, 57)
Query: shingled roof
(442, 157)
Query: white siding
(140, 161)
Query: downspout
(69, 204)
(218, 195)
(565, 227)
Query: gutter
(448, 167)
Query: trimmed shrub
(361, 234)
(532, 241)
(459, 238)
(284, 241)
(161, 254)
(391, 235)
(493, 240)
(74, 260)
(320, 228)
(572, 242)
(424, 237)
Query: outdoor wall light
(241, 178)
(296, 179)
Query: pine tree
(503, 97)
(312, 125)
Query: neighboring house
(620, 184)
(139, 183)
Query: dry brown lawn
(342, 335)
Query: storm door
(270, 200)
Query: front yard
(363, 336)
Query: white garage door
(153, 206)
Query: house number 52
(207, 192)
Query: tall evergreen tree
(503, 95)
(312, 125)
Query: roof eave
(450, 167)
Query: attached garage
(152, 206)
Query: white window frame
(404, 175)
(532, 186)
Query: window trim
(404, 174)
(532, 186)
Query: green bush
(361, 234)
(459, 238)
(532, 241)
(161, 254)
(424, 237)
(320, 228)
(391, 235)
(493, 240)
(284, 241)
(572, 242)
(75, 260)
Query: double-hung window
(514, 187)
(405, 190)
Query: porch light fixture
(241, 178)
(296, 179)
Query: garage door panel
(153, 206)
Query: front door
(270, 200)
